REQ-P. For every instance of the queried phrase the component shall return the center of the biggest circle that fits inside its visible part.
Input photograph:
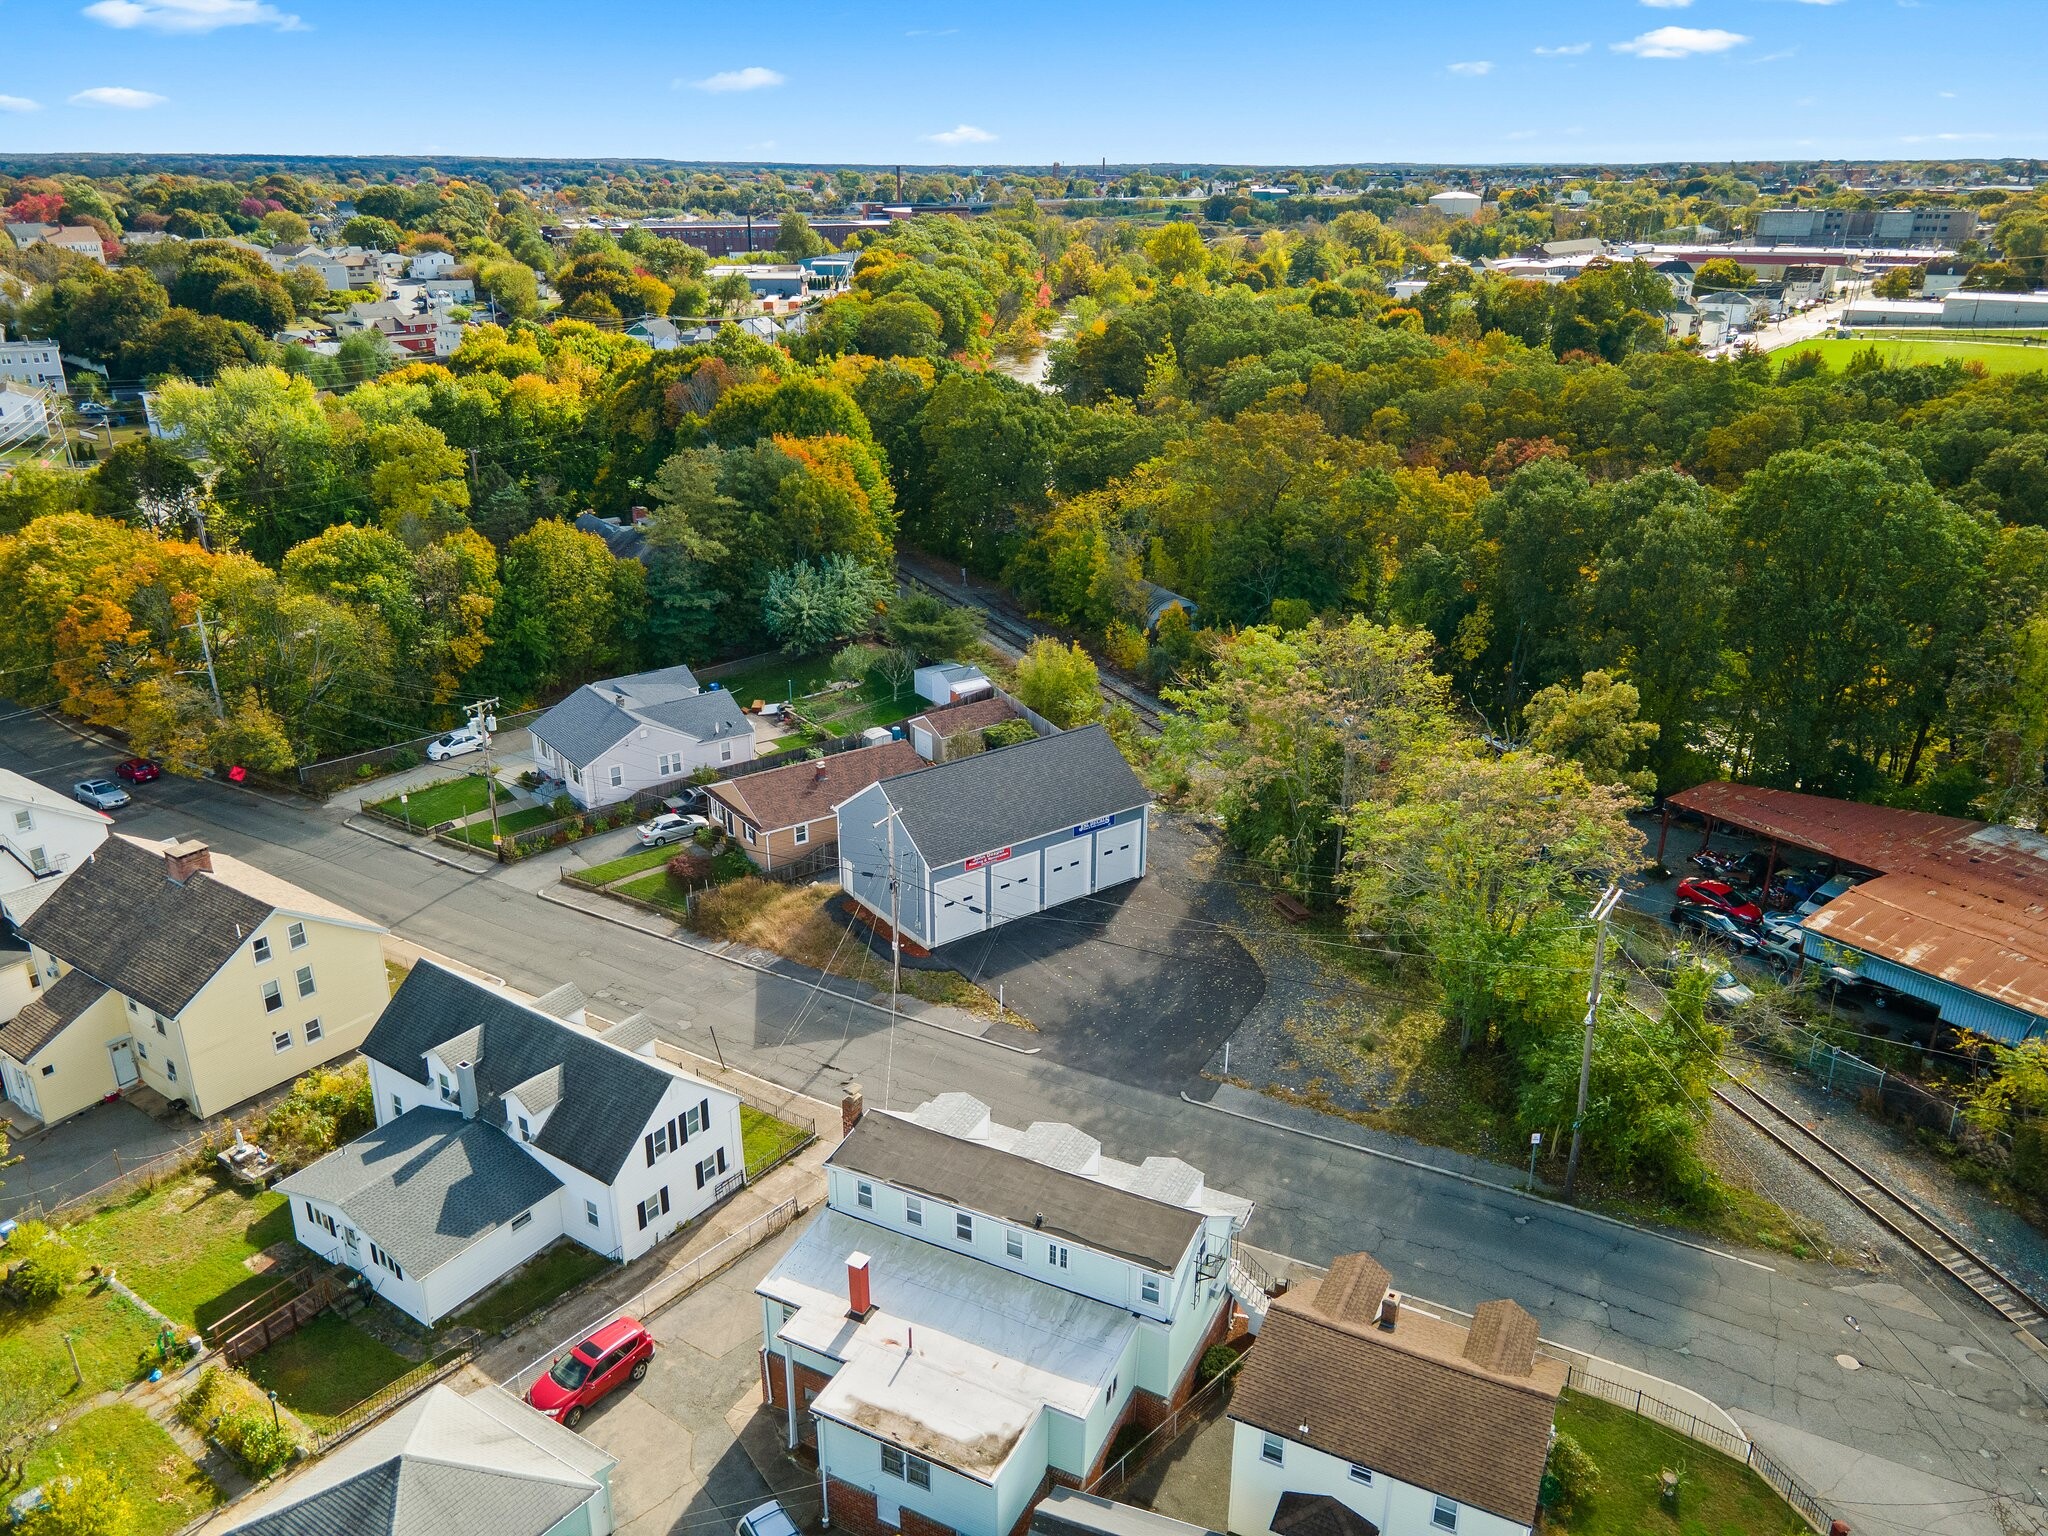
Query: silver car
(100, 794)
(669, 828)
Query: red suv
(138, 770)
(616, 1353)
(1719, 896)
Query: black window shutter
(664, 1199)
(721, 1159)
(700, 1175)
(650, 1150)
(642, 1209)
(704, 1114)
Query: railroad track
(1904, 1220)
(1017, 633)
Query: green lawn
(661, 888)
(631, 864)
(565, 1265)
(109, 1332)
(325, 1369)
(165, 1490)
(1717, 1496)
(478, 833)
(433, 804)
(839, 714)
(1997, 357)
(181, 1245)
(764, 1136)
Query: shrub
(1126, 646)
(205, 1397)
(1568, 1476)
(564, 807)
(1216, 1359)
(1008, 734)
(89, 1502)
(262, 1447)
(44, 1268)
(405, 758)
(326, 1107)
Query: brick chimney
(860, 1299)
(850, 1107)
(183, 860)
(1390, 1310)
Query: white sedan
(669, 828)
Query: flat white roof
(959, 1356)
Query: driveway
(681, 1467)
(84, 1152)
(1140, 984)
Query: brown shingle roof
(788, 797)
(974, 715)
(49, 1013)
(1409, 1402)
(1502, 1338)
(1351, 1292)
(1317, 1514)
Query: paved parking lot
(1140, 984)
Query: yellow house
(189, 972)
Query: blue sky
(1006, 83)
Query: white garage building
(997, 836)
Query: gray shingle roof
(955, 810)
(607, 1095)
(1070, 1512)
(1018, 1190)
(49, 1013)
(120, 917)
(598, 716)
(425, 1186)
(444, 1465)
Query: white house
(1357, 1414)
(430, 264)
(609, 740)
(502, 1127)
(1458, 204)
(447, 1464)
(32, 362)
(24, 413)
(44, 835)
(980, 1310)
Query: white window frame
(707, 1171)
(1273, 1451)
(693, 1121)
(913, 1211)
(1056, 1255)
(314, 1030)
(24, 821)
(747, 827)
(273, 997)
(618, 776)
(280, 1041)
(39, 861)
(523, 1219)
(725, 751)
(259, 947)
(590, 1212)
(864, 1194)
(1013, 1243)
(803, 833)
(297, 935)
(1361, 1474)
(1148, 1290)
(525, 1131)
(397, 1106)
(963, 1226)
(305, 980)
(1445, 1516)
(661, 1146)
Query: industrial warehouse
(1954, 912)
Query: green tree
(929, 627)
(810, 605)
(183, 344)
(1719, 274)
(1060, 682)
(372, 233)
(511, 286)
(1176, 250)
(1595, 726)
(795, 239)
(283, 227)
(1898, 282)
(568, 609)
(95, 313)
(277, 478)
(90, 1501)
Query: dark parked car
(1714, 924)
(614, 1355)
(139, 770)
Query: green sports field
(1996, 356)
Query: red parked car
(615, 1354)
(138, 770)
(1719, 896)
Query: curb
(1476, 1182)
(353, 826)
(762, 970)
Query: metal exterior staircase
(1250, 1287)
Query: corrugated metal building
(1957, 914)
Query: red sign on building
(983, 860)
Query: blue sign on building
(1094, 826)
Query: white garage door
(1116, 854)
(1066, 870)
(1014, 887)
(957, 907)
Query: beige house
(169, 966)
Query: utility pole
(483, 715)
(895, 950)
(206, 650)
(1603, 909)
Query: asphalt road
(1921, 1416)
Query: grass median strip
(630, 864)
(432, 804)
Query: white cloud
(191, 15)
(1520, 135)
(752, 78)
(1667, 5)
(1944, 138)
(966, 133)
(19, 104)
(1946, 95)
(125, 97)
(1472, 67)
(1680, 42)
(1563, 50)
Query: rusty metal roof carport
(1959, 906)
